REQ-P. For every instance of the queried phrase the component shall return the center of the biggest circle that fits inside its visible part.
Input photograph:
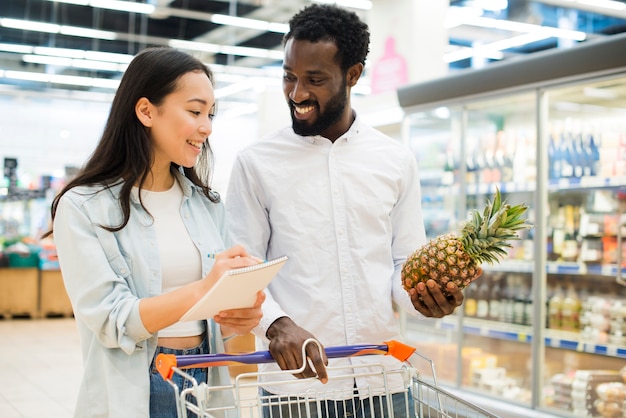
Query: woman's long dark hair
(124, 153)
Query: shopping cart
(422, 397)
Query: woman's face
(183, 122)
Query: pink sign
(390, 71)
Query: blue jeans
(374, 407)
(162, 395)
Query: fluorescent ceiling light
(492, 50)
(194, 46)
(122, 6)
(606, 4)
(226, 49)
(61, 79)
(354, 4)
(243, 22)
(59, 52)
(219, 19)
(108, 57)
(490, 23)
(87, 33)
(75, 63)
(19, 49)
(54, 28)
(30, 25)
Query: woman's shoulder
(89, 194)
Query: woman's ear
(144, 111)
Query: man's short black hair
(326, 22)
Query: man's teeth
(303, 110)
(196, 144)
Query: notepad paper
(237, 288)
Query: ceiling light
(122, 6)
(492, 50)
(508, 25)
(61, 79)
(226, 49)
(29, 25)
(19, 49)
(606, 4)
(54, 28)
(87, 33)
(243, 22)
(354, 4)
(75, 63)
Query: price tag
(611, 350)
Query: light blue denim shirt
(106, 274)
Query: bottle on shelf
(519, 304)
(555, 306)
(507, 305)
(495, 300)
(482, 300)
(594, 152)
(566, 156)
(554, 158)
(558, 232)
(469, 305)
(569, 250)
(570, 311)
(528, 307)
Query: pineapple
(457, 259)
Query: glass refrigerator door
(585, 352)
(497, 327)
(435, 139)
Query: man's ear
(354, 73)
(144, 111)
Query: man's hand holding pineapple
(435, 274)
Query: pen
(259, 260)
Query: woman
(133, 231)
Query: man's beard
(333, 113)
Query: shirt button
(122, 270)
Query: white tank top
(180, 259)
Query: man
(341, 200)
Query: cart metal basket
(420, 398)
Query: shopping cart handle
(166, 362)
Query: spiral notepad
(237, 288)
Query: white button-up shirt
(347, 214)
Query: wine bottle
(482, 300)
(566, 156)
(495, 302)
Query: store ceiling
(190, 20)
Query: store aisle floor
(40, 367)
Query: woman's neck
(159, 181)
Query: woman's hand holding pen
(235, 321)
(232, 258)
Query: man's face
(315, 88)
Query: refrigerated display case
(544, 330)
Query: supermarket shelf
(522, 266)
(523, 334)
(565, 184)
